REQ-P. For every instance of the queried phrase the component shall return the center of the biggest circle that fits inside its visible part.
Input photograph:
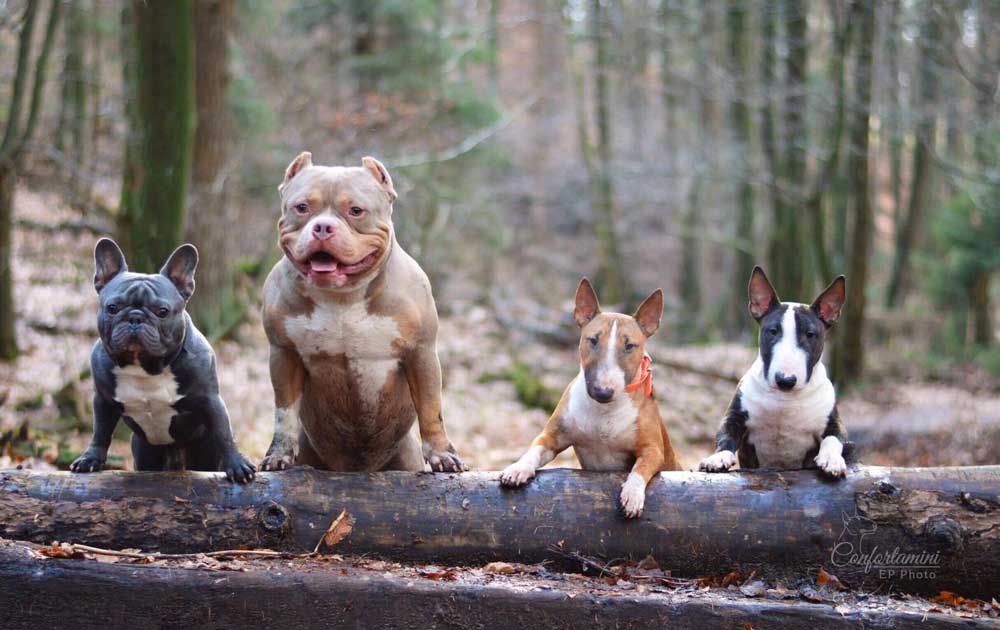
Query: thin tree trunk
(494, 49)
(768, 133)
(669, 91)
(165, 121)
(739, 116)
(15, 137)
(96, 79)
(894, 127)
(612, 281)
(849, 354)
(922, 184)
(211, 231)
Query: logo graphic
(852, 550)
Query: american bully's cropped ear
(649, 312)
(180, 269)
(299, 164)
(381, 175)
(109, 261)
(763, 297)
(830, 302)
(587, 306)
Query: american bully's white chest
(785, 426)
(603, 435)
(365, 340)
(148, 400)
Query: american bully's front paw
(238, 469)
(90, 461)
(832, 463)
(718, 462)
(445, 461)
(633, 496)
(517, 474)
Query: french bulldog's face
(336, 222)
(141, 317)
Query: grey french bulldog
(155, 370)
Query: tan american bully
(353, 330)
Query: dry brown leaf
(948, 599)
(61, 550)
(338, 530)
(733, 577)
(437, 573)
(825, 578)
(181, 500)
(501, 568)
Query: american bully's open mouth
(326, 266)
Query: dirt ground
(896, 421)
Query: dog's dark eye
(629, 347)
(302, 208)
(356, 211)
(593, 341)
(810, 334)
(162, 311)
(774, 330)
(111, 308)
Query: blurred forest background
(644, 143)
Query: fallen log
(916, 530)
(38, 592)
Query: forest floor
(902, 417)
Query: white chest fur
(603, 435)
(148, 399)
(784, 426)
(364, 339)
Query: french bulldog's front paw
(831, 463)
(517, 474)
(88, 462)
(633, 496)
(445, 461)
(718, 462)
(238, 469)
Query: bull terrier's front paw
(238, 469)
(517, 474)
(445, 461)
(718, 462)
(88, 462)
(831, 463)
(633, 496)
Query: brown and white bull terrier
(353, 330)
(608, 413)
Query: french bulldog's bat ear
(299, 164)
(587, 305)
(649, 313)
(830, 302)
(381, 175)
(180, 267)
(763, 297)
(109, 261)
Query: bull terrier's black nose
(323, 229)
(784, 382)
(603, 395)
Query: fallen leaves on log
(826, 578)
(338, 530)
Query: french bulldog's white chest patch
(785, 426)
(603, 435)
(148, 399)
(364, 339)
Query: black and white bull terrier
(784, 413)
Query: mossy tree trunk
(212, 217)
(19, 127)
(159, 149)
(848, 355)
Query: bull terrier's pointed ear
(763, 297)
(587, 306)
(649, 312)
(180, 267)
(109, 261)
(381, 175)
(303, 161)
(830, 302)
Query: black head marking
(770, 334)
(810, 333)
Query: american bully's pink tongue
(323, 265)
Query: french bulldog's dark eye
(810, 334)
(162, 312)
(356, 211)
(302, 208)
(593, 341)
(111, 308)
